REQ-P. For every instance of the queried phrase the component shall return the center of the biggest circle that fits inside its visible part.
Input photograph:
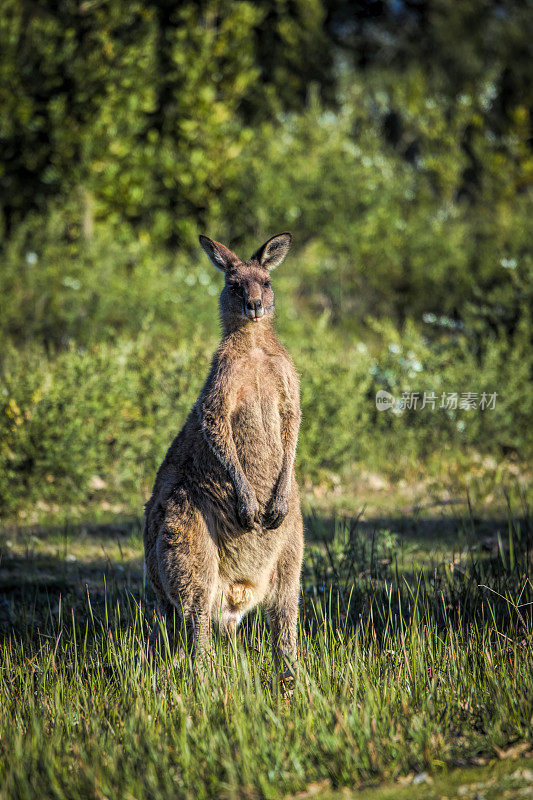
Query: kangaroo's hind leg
(187, 561)
(282, 602)
(168, 622)
(165, 612)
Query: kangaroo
(223, 528)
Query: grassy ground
(416, 664)
(501, 780)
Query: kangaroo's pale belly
(248, 559)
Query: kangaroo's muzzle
(254, 310)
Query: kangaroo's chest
(256, 418)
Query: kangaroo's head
(247, 295)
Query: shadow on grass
(448, 570)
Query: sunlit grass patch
(407, 666)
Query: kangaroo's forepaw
(248, 512)
(276, 511)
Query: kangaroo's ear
(220, 257)
(272, 253)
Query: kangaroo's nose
(254, 309)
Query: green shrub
(106, 333)
(93, 423)
(384, 235)
(60, 287)
(99, 418)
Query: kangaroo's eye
(267, 284)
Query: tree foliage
(393, 138)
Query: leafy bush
(405, 274)
(98, 418)
(385, 235)
(93, 423)
(62, 288)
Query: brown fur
(223, 527)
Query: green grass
(504, 780)
(416, 656)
